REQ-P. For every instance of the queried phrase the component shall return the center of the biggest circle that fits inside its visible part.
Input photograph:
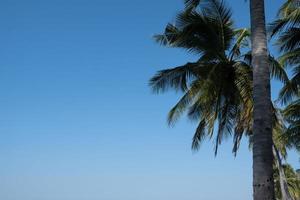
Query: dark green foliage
(287, 28)
(217, 88)
(292, 116)
(292, 179)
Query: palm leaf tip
(277, 70)
(191, 4)
(199, 135)
(166, 79)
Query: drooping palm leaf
(287, 27)
(292, 116)
(217, 89)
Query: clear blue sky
(77, 119)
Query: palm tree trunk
(263, 183)
(285, 193)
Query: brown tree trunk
(263, 183)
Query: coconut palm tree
(263, 185)
(287, 28)
(218, 87)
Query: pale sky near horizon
(78, 120)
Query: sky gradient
(78, 120)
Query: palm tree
(263, 184)
(287, 27)
(218, 87)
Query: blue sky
(78, 121)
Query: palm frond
(290, 57)
(191, 4)
(288, 7)
(238, 134)
(243, 80)
(199, 135)
(176, 78)
(169, 37)
(217, 89)
(292, 111)
(206, 31)
(187, 99)
(292, 116)
(226, 123)
(288, 16)
(277, 70)
(289, 40)
(242, 37)
(291, 89)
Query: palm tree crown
(217, 88)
